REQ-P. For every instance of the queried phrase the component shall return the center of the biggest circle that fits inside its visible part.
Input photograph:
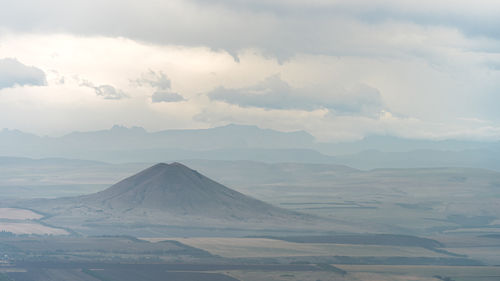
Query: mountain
(165, 196)
(176, 189)
(242, 142)
(229, 136)
(121, 144)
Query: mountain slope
(166, 198)
(178, 190)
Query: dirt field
(18, 214)
(30, 228)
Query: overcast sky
(340, 70)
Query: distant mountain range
(239, 142)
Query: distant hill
(176, 189)
(167, 195)
(423, 158)
(397, 144)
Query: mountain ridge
(242, 142)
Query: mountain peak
(125, 128)
(172, 169)
(177, 164)
(165, 165)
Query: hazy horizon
(338, 70)
(249, 140)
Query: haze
(249, 140)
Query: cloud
(156, 80)
(13, 73)
(274, 93)
(328, 96)
(166, 97)
(279, 28)
(106, 91)
(162, 85)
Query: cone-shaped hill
(163, 197)
(177, 189)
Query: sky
(340, 70)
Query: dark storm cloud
(13, 72)
(464, 16)
(274, 93)
(278, 28)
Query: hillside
(176, 189)
(171, 196)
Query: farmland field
(456, 273)
(207, 272)
(261, 247)
(47, 271)
(114, 275)
(30, 228)
(18, 214)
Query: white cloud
(435, 77)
